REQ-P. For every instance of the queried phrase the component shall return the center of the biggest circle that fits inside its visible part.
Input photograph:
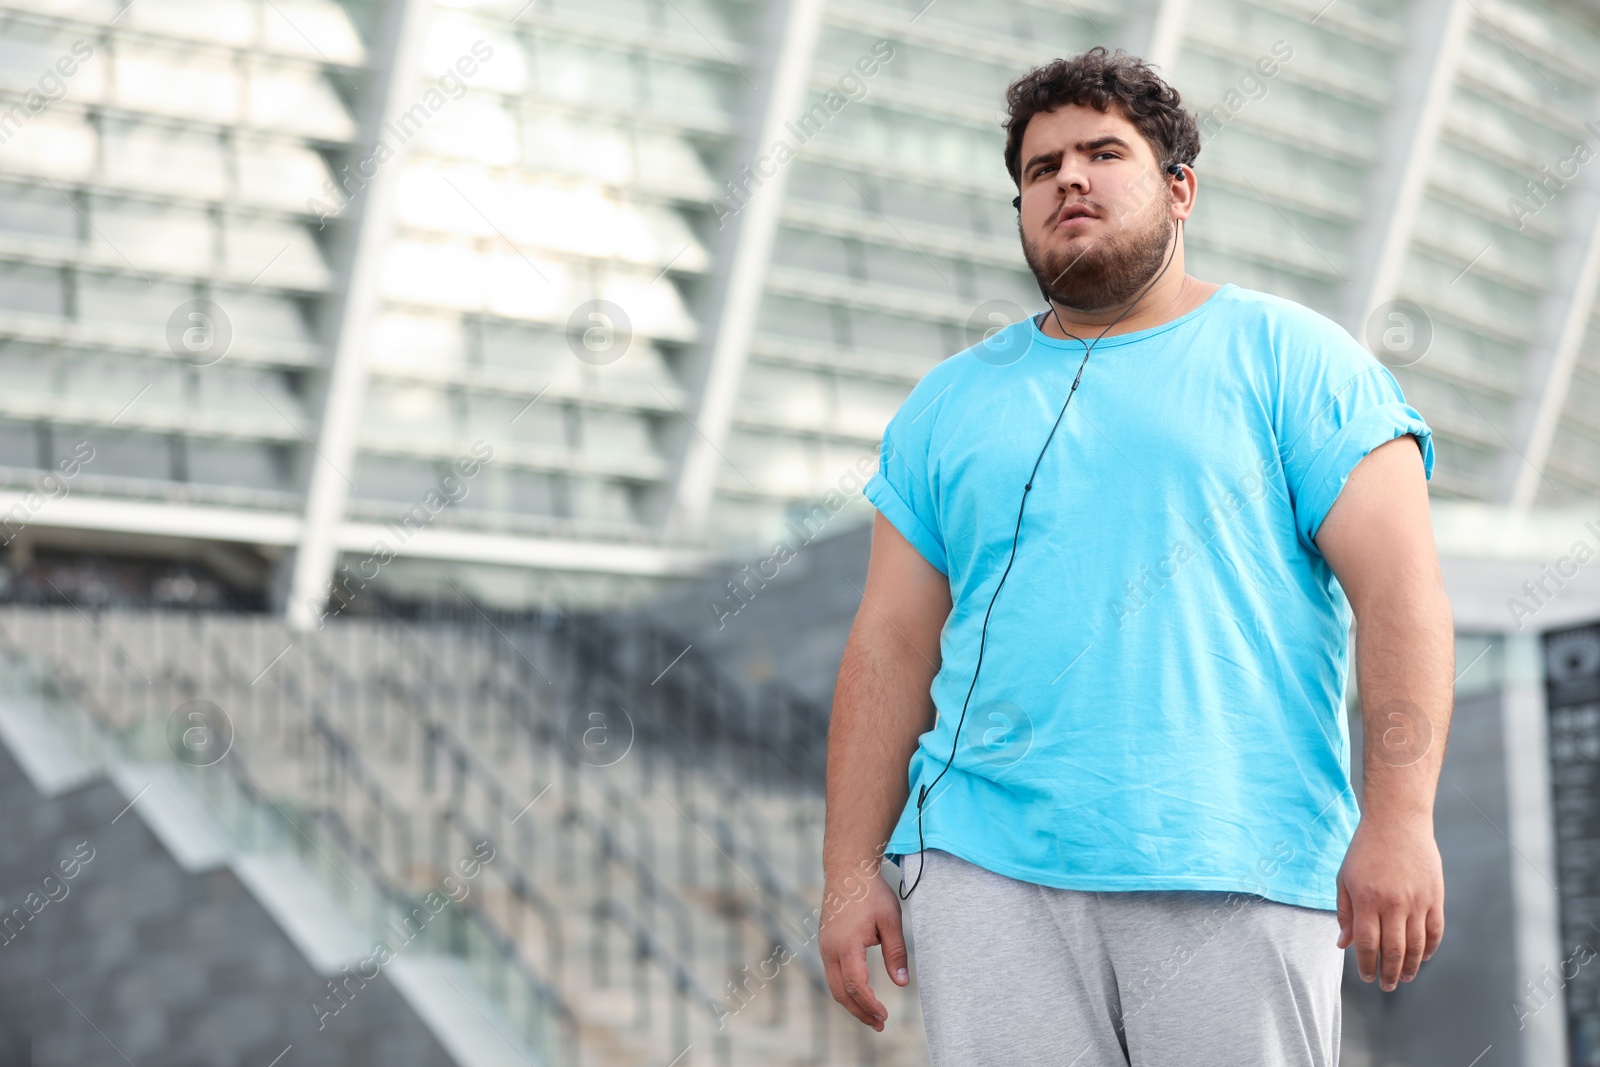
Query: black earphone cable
(955, 744)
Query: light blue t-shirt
(1161, 704)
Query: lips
(1074, 211)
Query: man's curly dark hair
(1099, 79)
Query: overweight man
(1092, 704)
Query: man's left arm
(1378, 539)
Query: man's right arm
(881, 705)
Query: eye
(1044, 169)
(1105, 152)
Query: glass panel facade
(182, 178)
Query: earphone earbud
(1016, 202)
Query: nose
(1071, 176)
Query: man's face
(1096, 210)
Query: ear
(1185, 189)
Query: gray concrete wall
(1461, 1001)
(144, 962)
(791, 627)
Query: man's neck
(1173, 295)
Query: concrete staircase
(655, 868)
(140, 926)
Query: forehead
(1051, 131)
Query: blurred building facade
(275, 277)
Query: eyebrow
(1081, 146)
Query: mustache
(1055, 216)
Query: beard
(1114, 267)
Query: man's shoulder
(940, 381)
(1284, 319)
(1295, 343)
(933, 406)
(936, 383)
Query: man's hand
(852, 920)
(1391, 898)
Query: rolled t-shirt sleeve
(1338, 403)
(902, 488)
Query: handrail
(684, 981)
(73, 681)
(439, 735)
(341, 748)
(769, 919)
(549, 996)
(783, 894)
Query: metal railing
(451, 769)
(320, 836)
(410, 739)
(661, 737)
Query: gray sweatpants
(1015, 974)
